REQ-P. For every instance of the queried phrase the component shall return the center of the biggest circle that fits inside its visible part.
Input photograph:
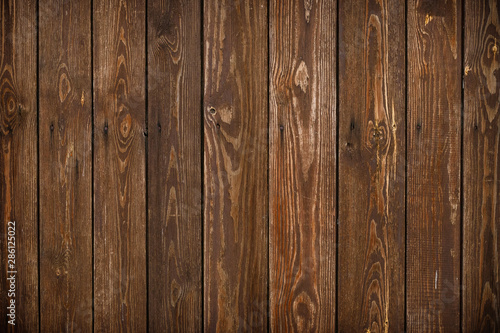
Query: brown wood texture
(174, 166)
(18, 161)
(120, 296)
(235, 165)
(481, 158)
(433, 179)
(371, 166)
(231, 165)
(65, 130)
(302, 165)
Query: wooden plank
(371, 166)
(119, 166)
(174, 167)
(433, 149)
(18, 163)
(302, 165)
(481, 156)
(65, 134)
(235, 165)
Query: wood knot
(212, 110)
(302, 76)
(64, 86)
(159, 126)
(467, 70)
(428, 19)
(126, 126)
(377, 136)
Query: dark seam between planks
(337, 174)
(146, 156)
(268, 165)
(462, 166)
(37, 10)
(92, 143)
(202, 169)
(406, 165)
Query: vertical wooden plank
(235, 165)
(65, 166)
(433, 184)
(174, 167)
(119, 166)
(481, 247)
(371, 166)
(18, 163)
(302, 165)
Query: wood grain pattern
(119, 162)
(481, 156)
(18, 160)
(65, 130)
(302, 165)
(433, 183)
(371, 166)
(174, 168)
(235, 165)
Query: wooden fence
(231, 165)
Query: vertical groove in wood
(174, 161)
(302, 165)
(481, 158)
(18, 161)
(119, 166)
(434, 62)
(65, 166)
(235, 165)
(371, 166)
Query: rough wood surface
(18, 160)
(65, 130)
(302, 165)
(119, 166)
(433, 149)
(371, 166)
(235, 165)
(481, 156)
(174, 167)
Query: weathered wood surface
(220, 165)
(371, 166)
(481, 158)
(302, 165)
(65, 130)
(18, 160)
(433, 179)
(174, 166)
(235, 165)
(120, 295)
